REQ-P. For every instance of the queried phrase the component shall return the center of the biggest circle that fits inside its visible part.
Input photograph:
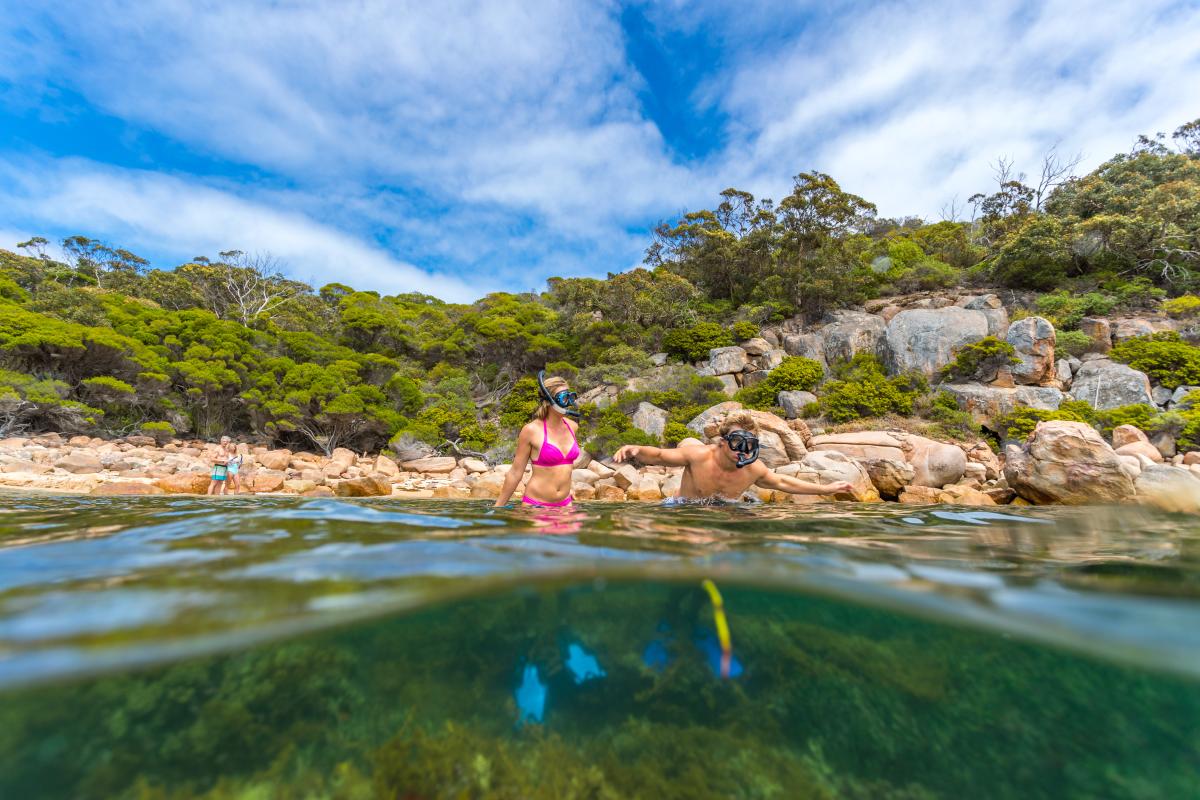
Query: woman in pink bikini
(548, 442)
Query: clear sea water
(259, 648)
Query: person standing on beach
(220, 469)
(724, 470)
(233, 464)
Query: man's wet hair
(739, 419)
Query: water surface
(238, 647)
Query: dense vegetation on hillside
(99, 341)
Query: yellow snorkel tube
(722, 626)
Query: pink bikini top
(551, 456)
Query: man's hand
(839, 487)
(628, 452)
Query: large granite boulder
(274, 459)
(833, 467)
(1107, 384)
(934, 463)
(992, 308)
(1066, 462)
(807, 345)
(80, 463)
(924, 340)
(650, 419)
(862, 445)
(430, 464)
(987, 404)
(793, 402)
(851, 333)
(889, 476)
(1099, 331)
(1033, 338)
(701, 420)
(727, 360)
(1170, 488)
(756, 346)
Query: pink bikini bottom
(529, 501)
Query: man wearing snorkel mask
(727, 468)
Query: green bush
(743, 330)
(1186, 306)
(1072, 343)
(1019, 423)
(949, 420)
(518, 405)
(1139, 415)
(160, 431)
(980, 360)
(1065, 308)
(1188, 412)
(793, 374)
(676, 432)
(693, 344)
(610, 429)
(1164, 356)
(862, 389)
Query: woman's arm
(514, 474)
(660, 456)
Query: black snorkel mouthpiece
(564, 399)
(745, 444)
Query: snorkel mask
(745, 444)
(564, 399)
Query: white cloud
(908, 105)
(152, 212)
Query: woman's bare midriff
(549, 484)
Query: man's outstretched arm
(660, 456)
(786, 483)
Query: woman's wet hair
(553, 385)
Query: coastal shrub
(161, 432)
(794, 373)
(1186, 306)
(980, 360)
(1072, 343)
(693, 344)
(517, 407)
(610, 428)
(1163, 356)
(1020, 422)
(862, 389)
(1139, 415)
(617, 365)
(1188, 415)
(106, 389)
(949, 421)
(743, 330)
(1065, 309)
(675, 432)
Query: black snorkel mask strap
(747, 453)
(572, 412)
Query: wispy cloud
(165, 214)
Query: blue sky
(475, 147)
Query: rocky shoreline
(1060, 463)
